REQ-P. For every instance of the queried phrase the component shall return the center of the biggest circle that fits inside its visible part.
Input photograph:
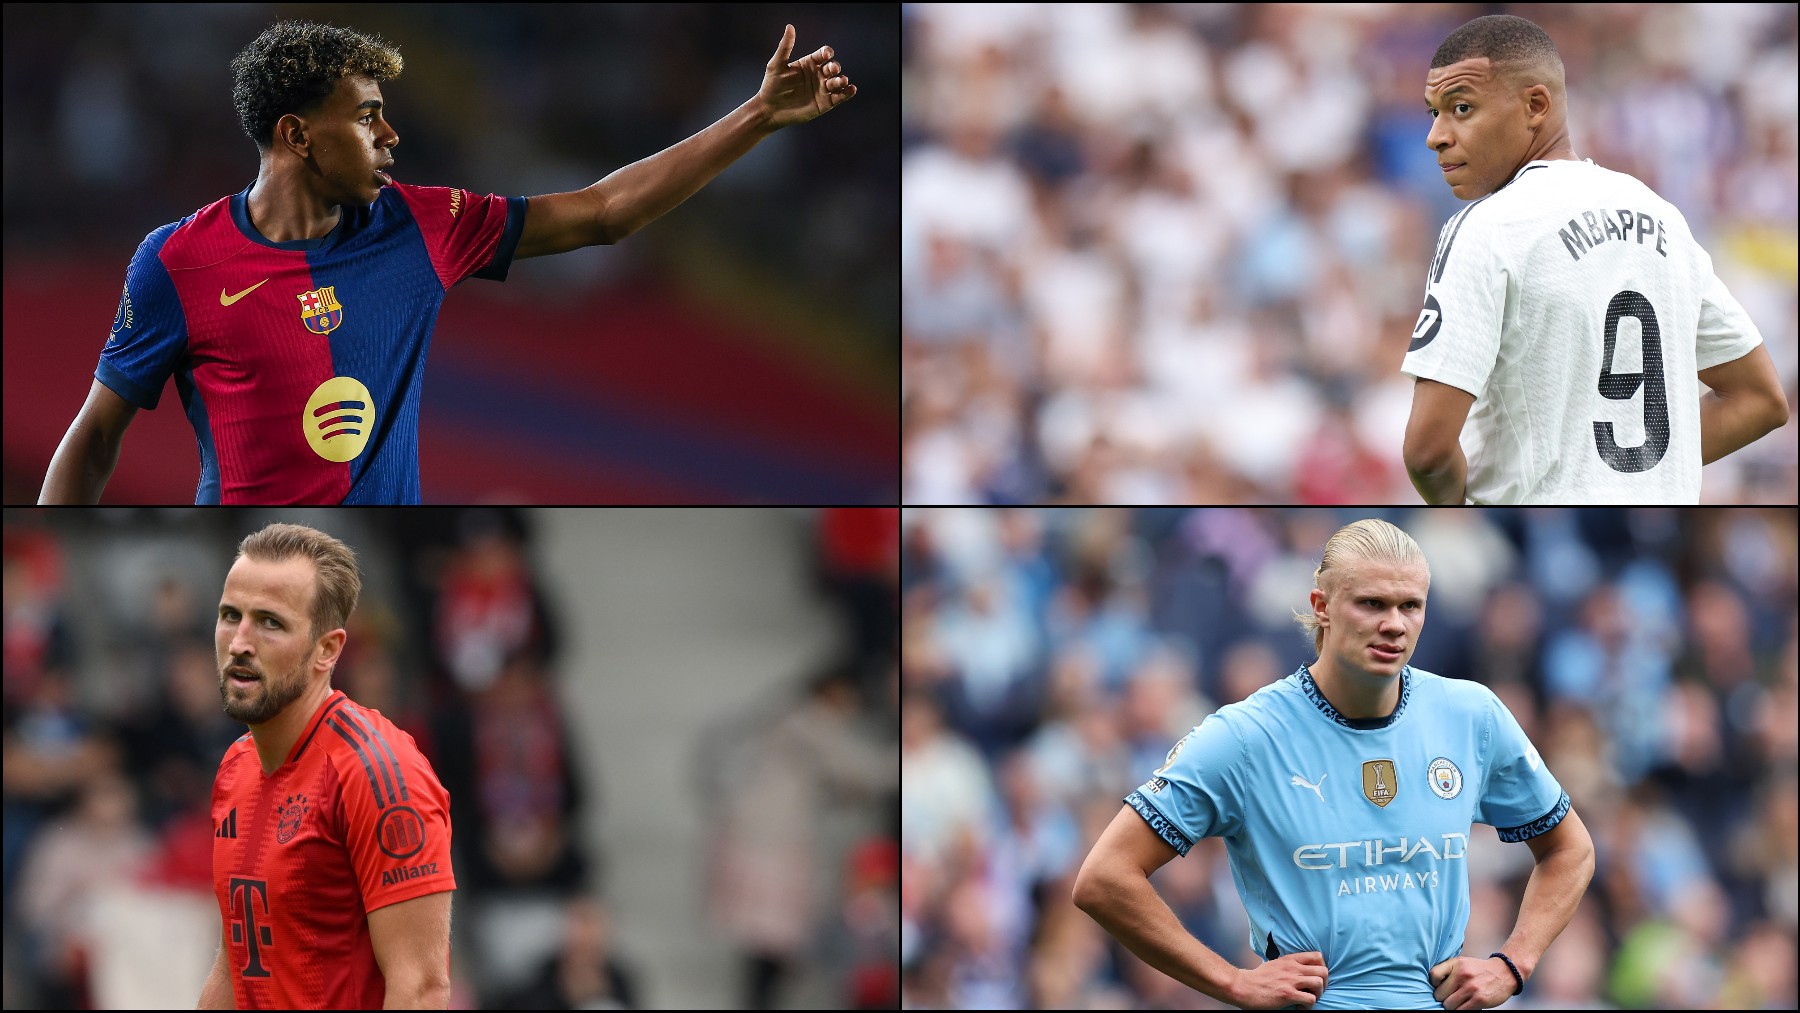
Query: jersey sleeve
(1725, 332)
(149, 332)
(396, 813)
(1519, 796)
(467, 236)
(1195, 792)
(1457, 336)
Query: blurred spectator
(1123, 286)
(585, 972)
(71, 864)
(763, 859)
(488, 609)
(1648, 654)
(505, 753)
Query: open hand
(1468, 983)
(1292, 979)
(804, 89)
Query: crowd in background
(1173, 253)
(1051, 657)
(114, 732)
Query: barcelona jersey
(300, 364)
(352, 821)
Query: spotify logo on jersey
(339, 417)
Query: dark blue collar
(1311, 689)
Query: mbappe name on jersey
(1622, 224)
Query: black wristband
(1514, 969)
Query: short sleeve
(466, 235)
(149, 332)
(1456, 339)
(1194, 794)
(1519, 797)
(396, 813)
(1725, 332)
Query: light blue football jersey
(1350, 837)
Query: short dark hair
(292, 67)
(1510, 43)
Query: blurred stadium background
(1050, 658)
(740, 349)
(707, 698)
(1173, 253)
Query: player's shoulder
(349, 727)
(1272, 706)
(1442, 694)
(1556, 190)
(241, 749)
(407, 199)
(205, 237)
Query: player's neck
(275, 737)
(283, 210)
(1356, 695)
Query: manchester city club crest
(320, 311)
(1445, 779)
(1379, 782)
(288, 816)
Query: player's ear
(1319, 598)
(291, 131)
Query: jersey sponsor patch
(401, 833)
(1379, 783)
(391, 876)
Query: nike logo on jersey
(1299, 782)
(227, 300)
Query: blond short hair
(1369, 539)
(336, 581)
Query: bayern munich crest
(288, 816)
(1446, 780)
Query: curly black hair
(1513, 44)
(293, 65)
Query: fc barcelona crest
(319, 310)
(1379, 782)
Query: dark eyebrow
(375, 104)
(1460, 87)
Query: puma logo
(1299, 781)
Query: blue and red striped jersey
(300, 364)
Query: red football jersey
(352, 821)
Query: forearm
(216, 993)
(649, 188)
(1728, 424)
(1443, 482)
(81, 466)
(1551, 896)
(1130, 909)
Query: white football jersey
(1576, 306)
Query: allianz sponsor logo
(391, 876)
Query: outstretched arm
(633, 197)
